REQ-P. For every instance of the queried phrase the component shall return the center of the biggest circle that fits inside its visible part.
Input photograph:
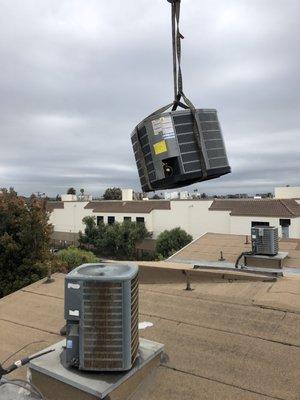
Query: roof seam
(42, 294)
(29, 326)
(220, 382)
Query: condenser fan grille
(134, 318)
(102, 326)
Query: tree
(117, 240)
(71, 190)
(81, 196)
(91, 231)
(168, 242)
(24, 240)
(58, 197)
(113, 194)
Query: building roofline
(269, 208)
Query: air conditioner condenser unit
(264, 240)
(179, 148)
(101, 312)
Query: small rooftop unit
(264, 240)
(101, 310)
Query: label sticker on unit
(73, 286)
(164, 126)
(69, 344)
(74, 313)
(160, 147)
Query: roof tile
(286, 208)
(130, 207)
(52, 205)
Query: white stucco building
(287, 192)
(194, 216)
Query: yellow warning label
(160, 147)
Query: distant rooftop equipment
(127, 194)
(264, 240)
(101, 311)
(171, 152)
(68, 197)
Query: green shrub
(116, 240)
(57, 265)
(72, 257)
(168, 242)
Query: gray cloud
(77, 76)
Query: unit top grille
(104, 272)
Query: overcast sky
(76, 76)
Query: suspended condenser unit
(101, 310)
(264, 240)
(178, 148)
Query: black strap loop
(178, 81)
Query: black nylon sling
(178, 91)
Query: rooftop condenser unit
(171, 152)
(101, 312)
(264, 240)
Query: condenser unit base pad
(57, 382)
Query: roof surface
(209, 246)
(52, 205)
(130, 207)
(285, 208)
(223, 341)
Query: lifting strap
(177, 72)
(178, 86)
(178, 82)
